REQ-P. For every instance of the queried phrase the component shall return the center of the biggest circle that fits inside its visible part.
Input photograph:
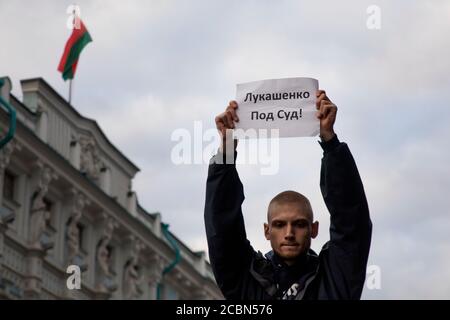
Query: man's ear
(266, 231)
(314, 229)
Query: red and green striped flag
(78, 40)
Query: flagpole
(70, 81)
(70, 91)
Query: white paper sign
(288, 105)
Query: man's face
(290, 229)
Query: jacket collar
(262, 269)
(277, 261)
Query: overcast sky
(157, 66)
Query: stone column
(42, 125)
(104, 279)
(75, 153)
(157, 224)
(155, 274)
(132, 273)
(33, 279)
(105, 180)
(5, 216)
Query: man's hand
(326, 114)
(224, 122)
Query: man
(291, 270)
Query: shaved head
(290, 198)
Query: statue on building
(131, 277)
(73, 232)
(103, 254)
(38, 218)
(39, 214)
(90, 162)
(105, 276)
(5, 155)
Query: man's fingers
(319, 92)
(326, 107)
(320, 98)
(226, 119)
(218, 121)
(230, 120)
(233, 104)
(222, 121)
(233, 113)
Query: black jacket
(338, 272)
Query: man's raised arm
(347, 251)
(229, 250)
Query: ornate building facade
(66, 200)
